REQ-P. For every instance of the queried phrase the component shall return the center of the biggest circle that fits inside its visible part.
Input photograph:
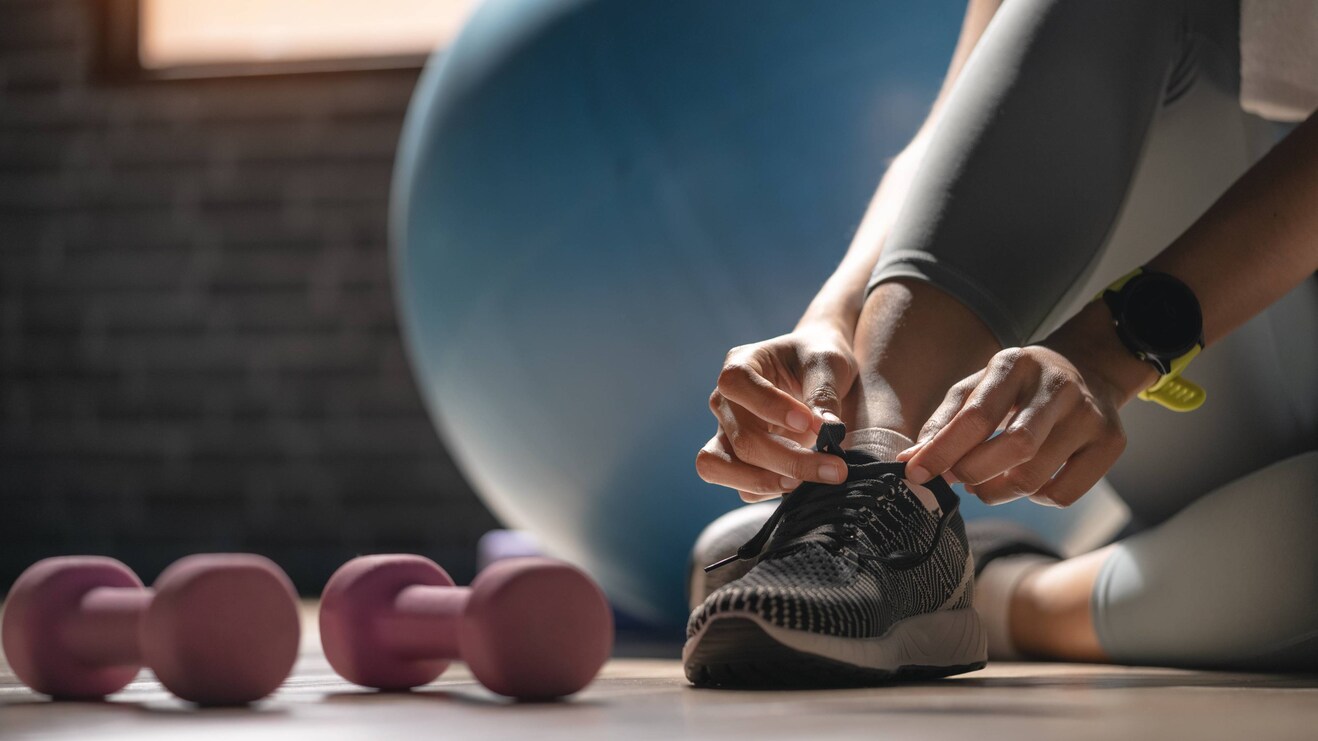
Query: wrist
(1090, 342)
(832, 324)
(832, 311)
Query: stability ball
(594, 200)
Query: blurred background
(198, 342)
(200, 336)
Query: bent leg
(1230, 581)
(1022, 182)
(1033, 157)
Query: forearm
(839, 302)
(1255, 244)
(1258, 241)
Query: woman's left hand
(1061, 432)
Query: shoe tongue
(831, 435)
(925, 496)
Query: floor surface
(648, 698)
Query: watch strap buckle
(1174, 392)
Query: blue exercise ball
(594, 200)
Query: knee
(1284, 498)
(1232, 581)
(1294, 500)
(1277, 534)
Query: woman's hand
(771, 399)
(1061, 433)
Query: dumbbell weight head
(353, 612)
(210, 609)
(37, 613)
(535, 628)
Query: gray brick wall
(198, 347)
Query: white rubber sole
(946, 639)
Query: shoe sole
(746, 651)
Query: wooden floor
(648, 698)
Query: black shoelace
(830, 514)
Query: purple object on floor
(217, 629)
(497, 545)
(530, 628)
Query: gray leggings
(1080, 140)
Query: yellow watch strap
(1171, 391)
(1176, 393)
(1119, 282)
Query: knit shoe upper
(853, 559)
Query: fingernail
(830, 417)
(917, 475)
(788, 484)
(918, 444)
(798, 420)
(830, 472)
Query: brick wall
(198, 347)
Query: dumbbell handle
(424, 621)
(103, 631)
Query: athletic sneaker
(719, 540)
(856, 583)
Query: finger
(1079, 475)
(754, 445)
(716, 464)
(1027, 433)
(993, 493)
(1067, 438)
(952, 403)
(805, 439)
(1032, 475)
(905, 455)
(825, 381)
(949, 475)
(972, 424)
(743, 385)
(720, 407)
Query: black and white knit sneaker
(857, 583)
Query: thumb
(823, 392)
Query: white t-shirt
(1279, 58)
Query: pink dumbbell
(530, 628)
(217, 629)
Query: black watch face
(1162, 315)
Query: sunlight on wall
(198, 32)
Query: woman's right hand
(771, 399)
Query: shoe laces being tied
(833, 514)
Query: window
(170, 38)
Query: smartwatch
(1157, 318)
